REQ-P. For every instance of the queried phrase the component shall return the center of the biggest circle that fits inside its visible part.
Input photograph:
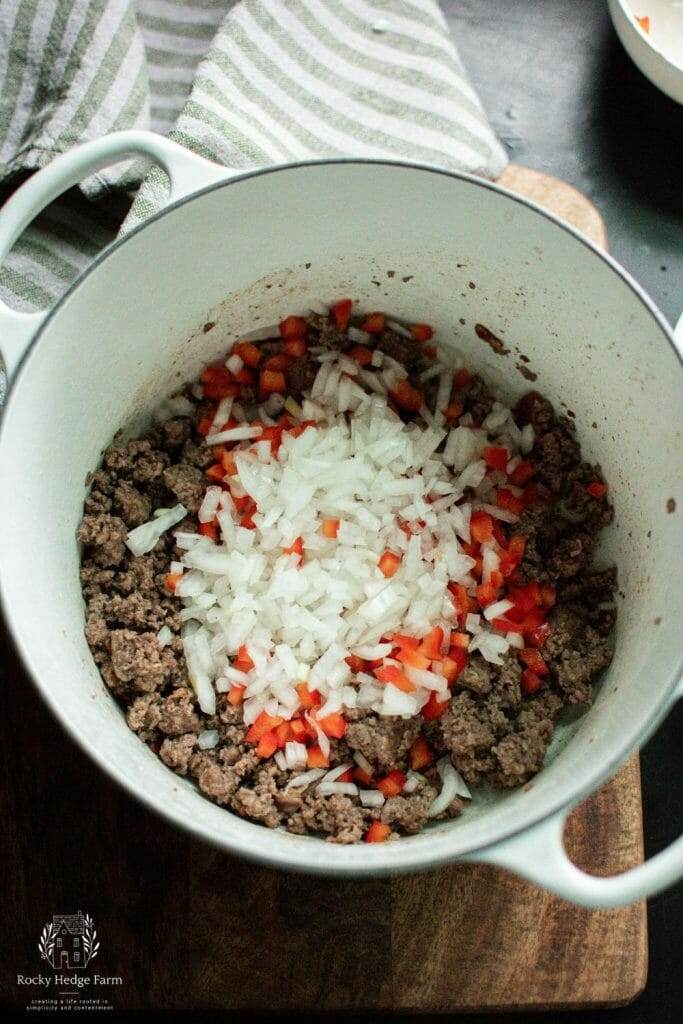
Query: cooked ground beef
(492, 731)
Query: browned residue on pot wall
(491, 340)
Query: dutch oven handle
(538, 854)
(187, 173)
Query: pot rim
(356, 860)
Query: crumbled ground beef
(492, 731)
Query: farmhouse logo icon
(69, 941)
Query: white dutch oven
(243, 250)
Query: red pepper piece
(248, 353)
(496, 458)
(462, 378)
(209, 530)
(507, 500)
(361, 355)
(407, 397)
(333, 725)
(453, 411)
(431, 643)
(292, 327)
(533, 660)
(522, 473)
(392, 784)
(597, 489)
(531, 683)
(172, 580)
(263, 724)
(316, 759)
(341, 313)
(389, 563)
(236, 694)
(481, 527)
(374, 324)
(308, 698)
(433, 709)
(392, 674)
(378, 832)
(297, 548)
(420, 755)
(272, 381)
(330, 528)
(422, 332)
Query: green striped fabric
(247, 84)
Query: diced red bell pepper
(217, 391)
(597, 489)
(249, 353)
(530, 495)
(507, 500)
(451, 665)
(461, 640)
(460, 600)
(216, 375)
(236, 694)
(506, 625)
(374, 324)
(209, 530)
(361, 355)
(298, 730)
(496, 457)
(355, 663)
(409, 643)
(346, 776)
(407, 397)
(272, 382)
(433, 708)
(316, 759)
(216, 472)
(548, 595)
(392, 784)
(531, 683)
(204, 426)
(533, 660)
(422, 332)
(244, 376)
(292, 327)
(263, 724)
(431, 643)
(172, 580)
(330, 528)
(453, 411)
(267, 744)
(244, 657)
(389, 563)
(295, 347)
(538, 635)
(297, 548)
(341, 313)
(522, 473)
(481, 526)
(392, 674)
(420, 755)
(362, 776)
(229, 464)
(532, 621)
(378, 832)
(486, 593)
(333, 725)
(644, 22)
(284, 734)
(416, 659)
(430, 351)
(308, 698)
(278, 362)
(462, 378)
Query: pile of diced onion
(305, 601)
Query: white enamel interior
(400, 238)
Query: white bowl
(657, 52)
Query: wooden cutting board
(187, 928)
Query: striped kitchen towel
(247, 84)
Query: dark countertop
(566, 99)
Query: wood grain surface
(188, 928)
